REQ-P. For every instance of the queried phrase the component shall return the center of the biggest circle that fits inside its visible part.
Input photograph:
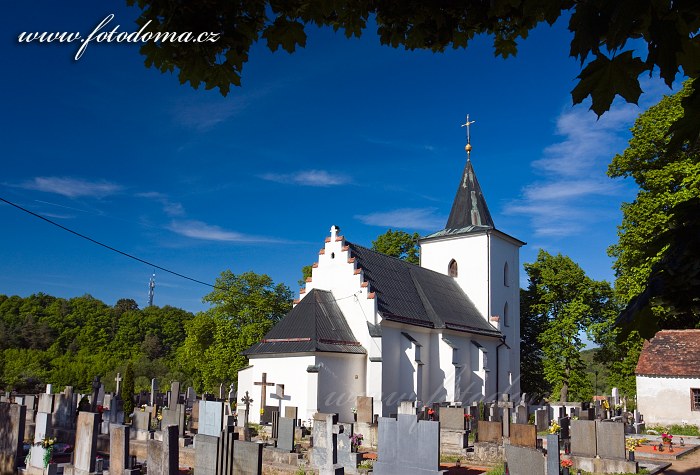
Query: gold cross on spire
(468, 147)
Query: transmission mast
(151, 288)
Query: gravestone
(174, 416)
(211, 415)
(407, 445)
(365, 409)
(347, 459)
(64, 410)
(610, 438)
(489, 431)
(191, 396)
(206, 454)
(583, 438)
(163, 456)
(118, 449)
(524, 461)
(565, 424)
(587, 414)
(521, 416)
(523, 435)
(87, 430)
(45, 403)
(324, 455)
(12, 421)
(174, 394)
(42, 430)
(285, 434)
(194, 417)
(615, 396)
(266, 416)
(247, 458)
(407, 407)
(141, 425)
(275, 424)
(154, 392)
(452, 418)
(291, 412)
(552, 454)
(541, 419)
(226, 445)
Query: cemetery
(179, 431)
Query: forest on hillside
(45, 339)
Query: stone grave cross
(279, 395)
(506, 405)
(246, 400)
(118, 379)
(263, 391)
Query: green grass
(497, 470)
(677, 429)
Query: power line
(94, 241)
(130, 256)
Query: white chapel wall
(288, 370)
(666, 401)
(341, 379)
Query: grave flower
(631, 443)
(566, 463)
(666, 437)
(554, 428)
(353, 410)
(356, 441)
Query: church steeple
(469, 207)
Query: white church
(367, 324)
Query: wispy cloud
(199, 230)
(72, 187)
(319, 178)
(573, 191)
(405, 218)
(170, 208)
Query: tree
(398, 244)
(601, 32)
(244, 308)
(563, 302)
(128, 391)
(657, 257)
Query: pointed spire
(469, 207)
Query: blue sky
(343, 132)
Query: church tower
(484, 262)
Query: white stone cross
(118, 379)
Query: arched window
(505, 315)
(505, 274)
(452, 268)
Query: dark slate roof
(410, 294)
(314, 324)
(674, 353)
(469, 206)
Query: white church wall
(505, 289)
(471, 254)
(289, 370)
(666, 401)
(341, 379)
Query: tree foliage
(608, 37)
(44, 339)
(657, 257)
(561, 302)
(244, 308)
(128, 391)
(399, 244)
